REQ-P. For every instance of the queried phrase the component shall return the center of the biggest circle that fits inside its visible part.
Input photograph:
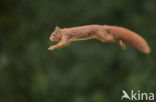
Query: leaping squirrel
(104, 33)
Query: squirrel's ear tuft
(57, 27)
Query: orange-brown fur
(103, 33)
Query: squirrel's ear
(57, 27)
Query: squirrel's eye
(54, 34)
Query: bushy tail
(129, 37)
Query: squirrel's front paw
(51, 48)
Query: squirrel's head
(56, 34)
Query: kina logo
(137, 95)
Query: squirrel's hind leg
(122, 44)
(105, 37)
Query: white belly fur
(82, 39)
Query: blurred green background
(85, 71)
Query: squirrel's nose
(51, 38)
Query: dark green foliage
(85, 71)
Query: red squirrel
(104, 33)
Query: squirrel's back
(129, 37)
